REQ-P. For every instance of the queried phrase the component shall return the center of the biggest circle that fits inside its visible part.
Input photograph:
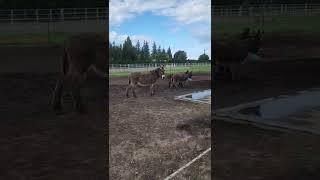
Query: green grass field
(277, 24)
(195, 69)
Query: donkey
(229, 56)
(145, 79)
(180, 79)
(80, 54)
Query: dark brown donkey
(81, 53)
(180, 79)
(145, 79)
(231, 55)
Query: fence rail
(142, 67)
(66, 14)
(52, 15)
(267, 10)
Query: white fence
(146, 67)
(52, 15)
(267, 10)
(66, 14)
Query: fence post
(240, 11)
(86, 14)
(50, 13)
(306, 8)
(24, 14)
(37, 16)
(97, 13)
(11, 16)
(62, 14)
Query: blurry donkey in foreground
(180, 79)
(145, 79)
(80, 54)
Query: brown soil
(247, 152)
(37, 143)
(151, 137)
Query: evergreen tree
(147, 52)
(159, 54)
(138, 51)
(169, 55)
(164, 55)
(154, 51)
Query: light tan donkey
(145, 79)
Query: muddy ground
(36, 142)
(247, 152)
(151, 137)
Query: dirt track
(247, 152)
(151, 137)
(37, 143)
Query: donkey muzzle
(163, 76)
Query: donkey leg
(76, 94)
(57, 95)
(127, 91)
(152, 89)
(133, 87)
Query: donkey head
(161, 72)
(189, 75)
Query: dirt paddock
(248, 152)
(151, 137)
(37, 143)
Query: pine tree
(159, 54)
(169, 54)
(154, 51)
(138, 51)
(164, 55)
(147, 52)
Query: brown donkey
(230, 56)
(81, 53)
(145, 79)
(181, 79)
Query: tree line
(127, 53)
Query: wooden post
(306, 9)
(37, 16)
(11, 16)
(62, 14)
(24, 14)
(240, 11)
(97, 13)
(50, 13)
(86, 14)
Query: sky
(180, 24)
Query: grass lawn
(276, 24)
(195, 69)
